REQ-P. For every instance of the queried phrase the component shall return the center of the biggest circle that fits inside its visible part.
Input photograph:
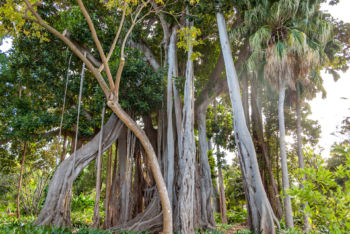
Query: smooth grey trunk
(307, 226)
(170, 131)
(187, 157)
(284, 167)
(262, 215)
(177, 103)
(96, 223)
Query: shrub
(328, 201)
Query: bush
(328, 201)
(18, 227)
(236, 216)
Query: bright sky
(330, 111)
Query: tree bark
(262, 214)
(152, 158)
(126, 146)
(187, 157)
(206, 183)
(96, 223)
(222, 193)
(301, 159)
(170, 131)
(285, 179)
(56, 208)
(19, 187)
(108, 186)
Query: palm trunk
(20, 180)
(285, 179)
(98, 176)
(301, 159)
(262, 215)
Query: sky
(329, 111)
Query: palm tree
(288, 51)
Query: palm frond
(260, 38)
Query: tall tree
(187, 157)
(261, 212)
(111, 91)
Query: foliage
(234, 192)
(328, 201)
(18, 227)
(82, 202)
(188, 37)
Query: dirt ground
(237, 227)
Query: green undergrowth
(18, 227)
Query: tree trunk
(262, 214)
(206, 184)
(122, 115)
(215, 192)
(222, 193)
(96, 223)
(170, 131)
(187, 157)
(285, 179)
(108, 186)
(245, 99)
(126, 146)
(64, 149)
(152, 159)
(301, 159)
(19, 187)
(261, 150)
(56, 208)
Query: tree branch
(97, 43)
(150, 57)
(116, 37)
(97, 75)
(122, 58)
